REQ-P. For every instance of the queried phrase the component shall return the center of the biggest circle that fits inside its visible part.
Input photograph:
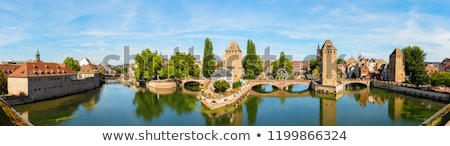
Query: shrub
(221, 86)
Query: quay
(438, 118)
(13, 115)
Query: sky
(96, 29)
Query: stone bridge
(346, 82)
(202, 82)
(280, 93)
(280, 84)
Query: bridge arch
(361, 82)
(280, 84)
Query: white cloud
(10, 35)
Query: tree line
(151, 66)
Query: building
(445, 65)
(87, 71)
(342, 71)
(364, 71)
(7, 69)
(300, 67)
(85, 61)
(108, 69)
(384, 72)
(318, 57)
(328, 65)
(352, 68)
(431, 68)
(40, 80)
(130, 71)
(446, 68)
(233, 60)
(396, 67)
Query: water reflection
(4, 120)
(150, 105)
(233, 114)
(327, 112)
(119, 105)
(53, 112)
(264, 88)
(401, 109)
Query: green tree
(148, 64)
(440, 78)
(209, 62)
(150, 105)
(3, 83)
(340, 61)
(252, 104)
(181, 65)
(102, 71)
(414, 65)
(119, 69)
(72, 63)
(314, 65)
(282, 62)
(221, 86)
(252, 62)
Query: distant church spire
(38, 56)
(318, 52)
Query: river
(116, 104)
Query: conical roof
(328, 43)
(233, 45)
(397, 51)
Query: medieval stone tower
(396, 68)
(328, 65)
(233, 60)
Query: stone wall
(161, 84)
(18, 86)
(327, 88)
(13, 115)
(412, 91)
(42, 88)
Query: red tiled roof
(88, 69)
(8, 69)
(39, 68)
(295, 63)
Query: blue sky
(95, 29)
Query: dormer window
(46, 66)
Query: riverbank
(412, 90)
(15, 118)
(439, 118)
